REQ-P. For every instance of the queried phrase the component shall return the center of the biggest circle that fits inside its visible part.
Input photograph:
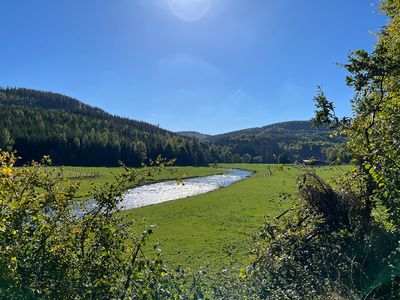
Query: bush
(53, 246)
(323, 247)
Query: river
(169, 190)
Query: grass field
(101, 175)
(200, 231)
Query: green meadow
(214, 229)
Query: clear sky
(207, 65)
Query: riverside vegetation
(330, 240)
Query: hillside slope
(281, 142)
(38, 123)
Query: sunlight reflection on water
(170, 190)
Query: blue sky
(207, 65)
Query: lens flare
(189, 10)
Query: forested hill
(282, 127)
(286, 132)
(37, 123)
(46, 100)
(281, 142)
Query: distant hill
(195, 134)
(292, 127)
(281, 142)
(284, 142)
(37, 123)
(289, 127)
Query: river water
(169, 190)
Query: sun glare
(189, 10)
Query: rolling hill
(37, 123)
(285, 142)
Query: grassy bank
(204, 230)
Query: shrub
(53, 246)
(323, 247)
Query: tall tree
(374, 129)
(5, 139)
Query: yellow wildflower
(6, 171)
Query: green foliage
(53, 247)
(258, 159)
(5, 139)
(374, 131)
(325, 113)
(338, 155)
(246, 158)
(283, 158)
